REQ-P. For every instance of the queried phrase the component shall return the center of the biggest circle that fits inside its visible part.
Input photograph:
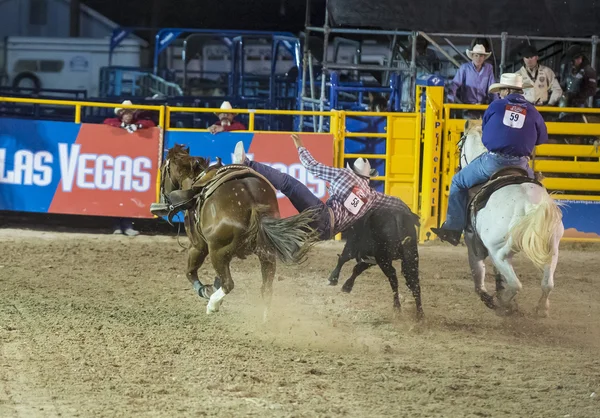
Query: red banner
(108, 172)
(278, 151)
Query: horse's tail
(290, 238)
(533, 234)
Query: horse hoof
(346, 289)
(333, 282)
(211, 309)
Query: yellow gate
(402, 157)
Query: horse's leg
(268, 266)
(356, 271)
(342, 259)
(410, 271)
(499, 280)
(502, 261)
(220, 257)
(196, 257)
(477, 264)
(548, 281)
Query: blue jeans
(300, 196)
(479, 171)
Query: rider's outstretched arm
(318, 169)
(313, 166)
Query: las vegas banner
(95, 169)
(82, 169)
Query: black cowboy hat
(529, 51)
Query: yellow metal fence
(421, 153)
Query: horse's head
(471, 145)
(178, 166)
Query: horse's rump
(247, 208)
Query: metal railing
(79, 105)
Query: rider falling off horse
(350, 196)
(512, 127)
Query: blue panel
(582, 215)
(205, 144)
(32, 148)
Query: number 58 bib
(514, 116)
(355, 200)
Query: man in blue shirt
(512, 127)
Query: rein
(166, 174)
(460, 144)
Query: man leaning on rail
(510, 141)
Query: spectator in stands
(130, 119)
(473, 79)
(226, 122)
(546, 90)
(579, 79)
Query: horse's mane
(188, 166)
(474, 125)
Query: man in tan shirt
(546, 90)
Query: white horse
(518, 217)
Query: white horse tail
(533, 234)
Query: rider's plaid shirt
(341, 181)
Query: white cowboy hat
(118, 109)
(225, 106)
(510, 81)
(478, 49)
(362, 167)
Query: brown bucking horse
(231, 211)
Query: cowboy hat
(362, 167)
(510, 81)
(119, 109)
(225, 106)
(478, 49)
(529, 51)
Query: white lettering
(123, 168)
(23, 167)
(83, 170)
(9, 177)
(142, 183)
(29, 168)
(87, 171)
(103, 176)
(68, 164)
(40, 160)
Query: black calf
(381, 236)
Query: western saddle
(480, 194)
(202, 188)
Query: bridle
(165, 174)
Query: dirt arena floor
(99, 325)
